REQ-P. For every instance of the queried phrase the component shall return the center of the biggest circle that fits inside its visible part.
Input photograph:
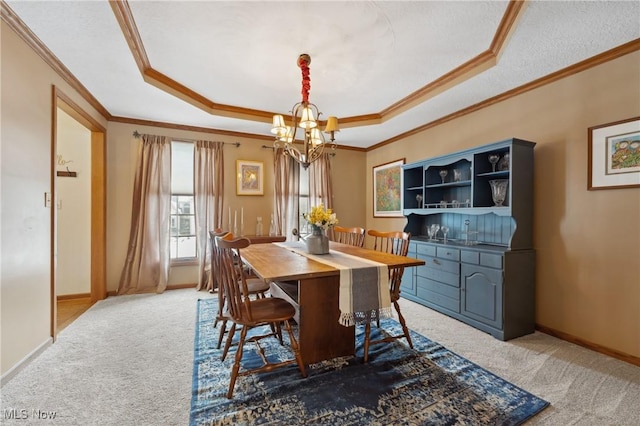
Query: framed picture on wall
(250, 177)
(614, 155)
(387, 189)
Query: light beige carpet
(128, 361)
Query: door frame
(98, 199)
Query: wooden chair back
(233, 279)
(394, 242)
(353, 236)
(215, 260)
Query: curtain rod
(237, 144)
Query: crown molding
(607, 56)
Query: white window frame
(181, 191)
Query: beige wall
(587, 242)
(26, 116)
(73, 272)
(348, 175)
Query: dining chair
(255, 286)
(394, 242)
(250, 313)
(353, 236)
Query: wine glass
(503, 164)
(443, 174)
(429, 233)
(493, 159)
(434, 229)
(444, 230)
(419, 200)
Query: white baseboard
(6, 377)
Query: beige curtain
(146, 267)
(287, 184)
(320, 184)
(208, 189)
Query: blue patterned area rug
(429, 385)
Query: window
(183, 215)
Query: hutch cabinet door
(481, 290)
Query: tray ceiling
(384, 68)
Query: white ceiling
(366, 55)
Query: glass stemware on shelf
(503, 164)
(443, 174)
(493, 159)
(434, 231)
(444, 230)
(419, 200)
(429, 233)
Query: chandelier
(304, 115)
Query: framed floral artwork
(250, 177)
(614, 155)
(387, 189)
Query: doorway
(95, 211)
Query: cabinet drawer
(426, 250)
(448, 253)
(439, 299)
(442, 264)
(491, 260)
(470, 257)
(449, 278)
(440, 288)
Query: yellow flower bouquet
(320, 217)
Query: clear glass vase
(317, 242)
(499, 191)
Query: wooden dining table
(312, 287)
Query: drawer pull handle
(436, 261)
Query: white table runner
(364, 284)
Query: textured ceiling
(384, 68)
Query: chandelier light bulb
(316, 137)
(307, 121)
(278, 125)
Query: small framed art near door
(614, 155)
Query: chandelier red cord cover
(303, 63)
